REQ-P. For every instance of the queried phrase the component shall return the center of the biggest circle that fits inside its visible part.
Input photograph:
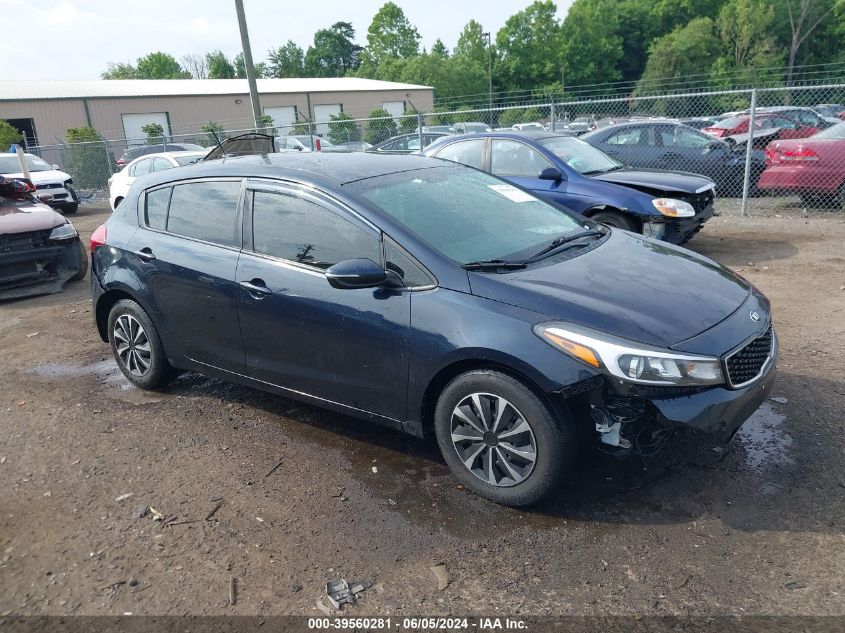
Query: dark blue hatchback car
(670, 206)
(429, 297)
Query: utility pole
(489, 75)
(250, 70)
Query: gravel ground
(754, 529)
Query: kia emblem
(754, 316)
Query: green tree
(334, 52)
(744, 28)
(343, 129)
(286, 61)
(591, 44)
(120, 71)
(219, 66)
(260, 68)
(408, 123)
(528, 47)
(439, 49)
(380, 127)
(390, 35)
(154, 133)
(472, 44)
(160, 65)
(87, 159)
(265, 122)
(511, 116)
(8, 136)
(805, 17)
(637, 27)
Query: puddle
(766, 444)
(115, 383)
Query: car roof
(187, 152)
(318, 168)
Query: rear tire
(137, 347)
(501, 440)
(70, 209)
(615, 220)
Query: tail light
(98, 238)
(800, 154)
(772, 155)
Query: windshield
(729, 124)
(580, 155)
(836, 132)
(9, 164)
(467, 215)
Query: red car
(813, 168)
(788, 128)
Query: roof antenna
(218, 139)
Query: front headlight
(63, 233)
(631, 361)
(672, 208)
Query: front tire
(616, 220)
(501, 440)
(137, 347)
(83, 262)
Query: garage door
(395, 108)
(283, 118)
(322, 113)
(132, 124)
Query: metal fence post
(420, 128)
(749, 149)
(108, 155)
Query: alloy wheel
(132, 345)
(493, 439)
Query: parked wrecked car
(434, 299)
(142, 150)
(47, 178)
(40, 249)
(662, 144)
(406, 143)
(813, 168)
(567, 170)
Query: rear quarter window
(156, 208)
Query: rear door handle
(146, 254)
(256, 287)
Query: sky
(76, 39)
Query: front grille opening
(746, 364)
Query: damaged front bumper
(676, 230)
(40, 270)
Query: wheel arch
(106, 302)
(609, 208)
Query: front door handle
(256, 287)
(146, 254)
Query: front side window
(512, 158)
(206, 211)
(465, 152)
(626, 136)
(302, 231)
(466, 215)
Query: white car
(534, 125)
(120, 182)
(47, 178)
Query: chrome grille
(747, 363)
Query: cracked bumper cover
(718, 410)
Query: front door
(346, 346)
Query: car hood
(21, 217)
(656, 180)
(630, 286)
(40, 177)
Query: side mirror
(551, 173)
(54, 166)
(356, 273)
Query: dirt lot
(756, 529)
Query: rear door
(346, 346)
(186, 253)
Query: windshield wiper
(561, 241)
(493, 264)
(596, 172)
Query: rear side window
(301, 231)
(156, 210)
(141, 168)
(205, 211)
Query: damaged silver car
(40, 249)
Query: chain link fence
(765, 148)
